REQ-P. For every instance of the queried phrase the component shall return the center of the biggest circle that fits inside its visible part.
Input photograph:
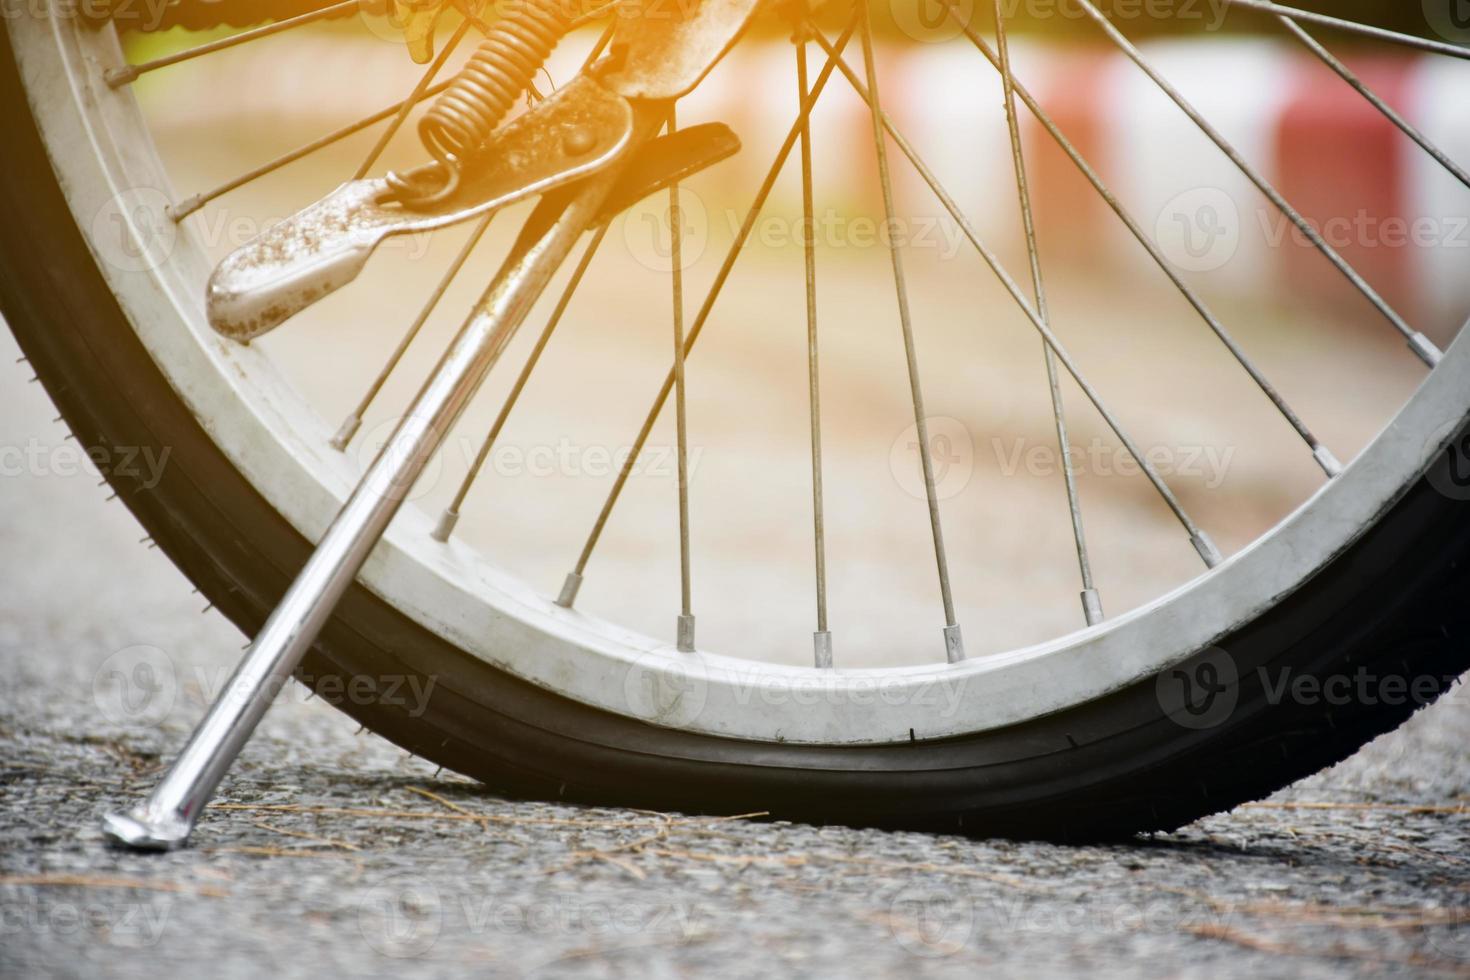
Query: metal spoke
(188, 206)
(1091, 601)
(450, 517)
(954, 646)
(685, 632)
(353, 422)
(1201, 541)
(822, 638)
(116, 77)
(1373, 98)
(573, 583)
(406, 106)
(1323, 455)
(1393, 37)
(1420, 344)
(184, 208)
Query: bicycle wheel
(1142, 718)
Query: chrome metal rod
(822, 636)
(1422, 347)
(1198, 538)
(685, 623)
(167, 817)
(125, 74)
(1091, 599)
(953, 645)
(573, 582)
(1374, 99)
(1353, 27)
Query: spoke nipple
(569, 590)
(822, 646)
(1206, 548)
(1424, 347)
(344, 435)
(954, 644)
(445, 527)
(1092, 606)
(686, 634)
(1329, 463)
(178, 212)
(116, 77)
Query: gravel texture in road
(332, 853)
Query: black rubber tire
(1393, 605)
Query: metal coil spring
(464, 117)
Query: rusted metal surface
(662, 51)
(583, 128)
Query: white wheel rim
(280, 445)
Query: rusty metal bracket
(663, 50)
(580, 130)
